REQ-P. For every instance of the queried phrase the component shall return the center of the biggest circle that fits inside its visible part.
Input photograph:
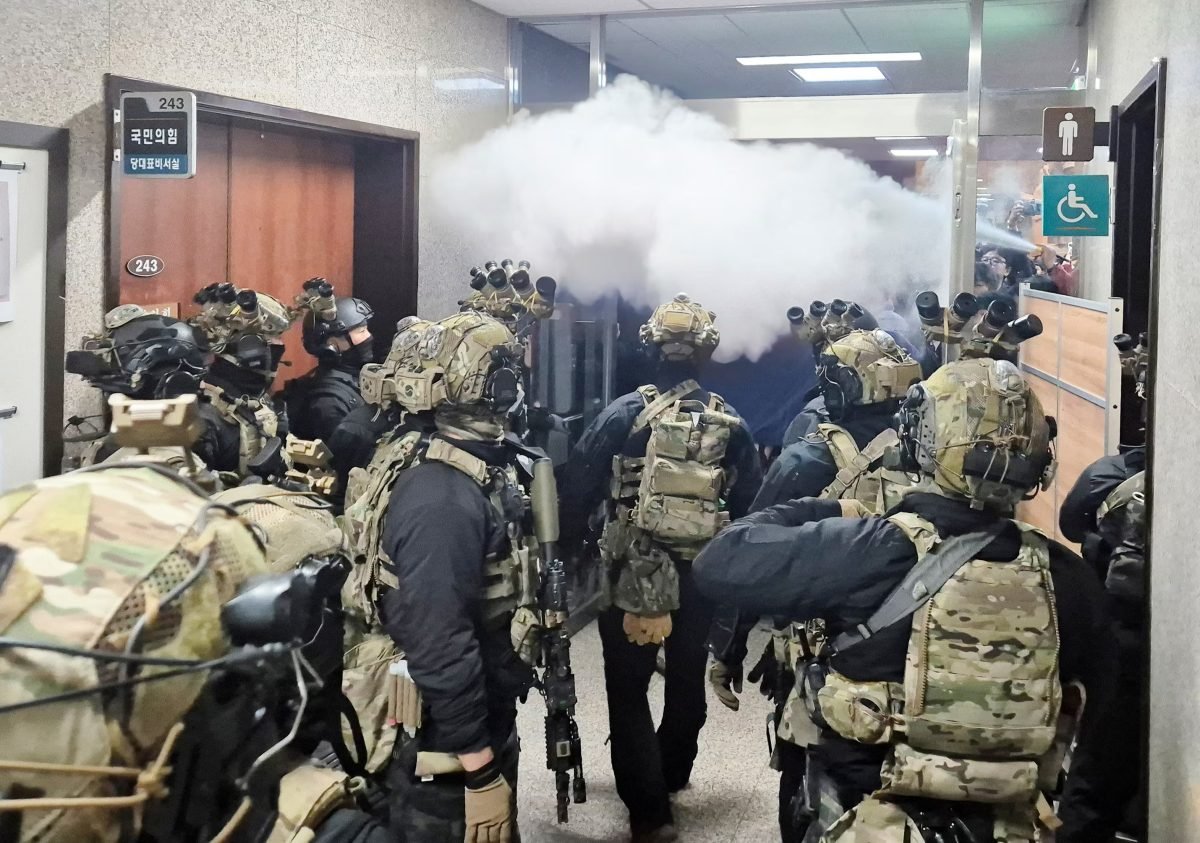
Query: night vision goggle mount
(506, 291)
(995, 332)
(827, 323)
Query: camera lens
(202, 296)
(818, 309)
(227, 293)
(1000, 312)
(837, 307)
(929, 308)
(546, 287)
(1123, 342)
(795, 315)
(478, 278)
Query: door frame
(370, 252)
(1154, 81)
(56, 143)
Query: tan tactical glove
(854, 509)
(726, 682)
(652, 629)
(489, 811)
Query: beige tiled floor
(732, 794)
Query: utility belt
(880, 820)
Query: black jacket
(806, 420)
(806, 467)
(318, 402)
(439, 529)
(801, 559)
(584, 479)
(1077, 512)
(353, 441)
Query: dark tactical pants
(648, 766)
(1104, 785)
(434, 811)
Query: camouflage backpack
(1121, 522)
(976, 717)
(669, 502)
(92, 559)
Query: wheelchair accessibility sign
(1075, 206)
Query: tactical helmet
(246, 327)
(114, 560)
(682, 329)
(864, 367)
(978, 430)
(142, 355)
(465, 360)
(351, 313)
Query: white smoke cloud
(633, 192)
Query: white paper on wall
(8, 241)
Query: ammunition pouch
(307, 796)
(370, 687)
(526, 634)
(860, 711)
(642, 577)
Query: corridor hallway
(732, 796)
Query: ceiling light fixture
(839, 74)
(913, 153)
(836, 58)
(901, 137)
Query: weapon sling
(920, 584)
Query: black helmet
(149, 356)
(351, 313)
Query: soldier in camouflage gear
(1106, 512)
(436, 524)
(675, 463)
(862, 375)
(246, 330)
(952, 634)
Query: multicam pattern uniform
(94, 552)
(666, 505)
(976, 717)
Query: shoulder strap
(1122, 495)
(716, 403)
(440, 450)
(852, 463)
(656, 406)
(920, 584)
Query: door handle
(7, 412)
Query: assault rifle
(564, 755)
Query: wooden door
(291, 209)
(183, 222)
(267, 210)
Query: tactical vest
(1121, 521)
(666, 505)
(976, 717)
(376, 676)
(256, 419)
(859, 477)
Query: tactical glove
(488, 802)
(651, 629)
(726, 681)
(852, 508)
(766, 673)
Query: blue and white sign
(158, 134)
(1075, 206)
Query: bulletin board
(1075, 371)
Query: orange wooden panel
(1080, 437)
(291, 212)
(1041, 512)
(181, 221)
(1041, 352)
(1085, 343)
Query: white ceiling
(531, 8)
(1027, 44)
